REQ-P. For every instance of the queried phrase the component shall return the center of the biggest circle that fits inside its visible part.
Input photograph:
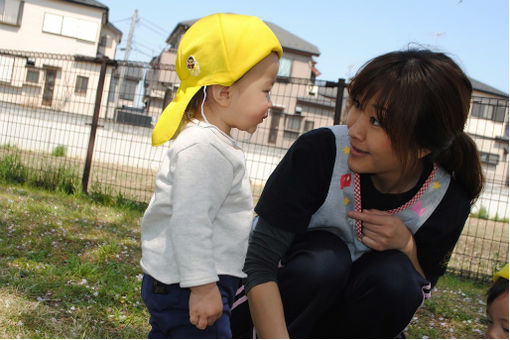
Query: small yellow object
(346, 201)
(346, 150)
(216, 50)
(503, 272)
(436, 185)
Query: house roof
(90, 3)
(287, 39)
(479, 86)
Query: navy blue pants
(325, 295)
(168, 306)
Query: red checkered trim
(357, 204)
(357, 199)
(418, 195)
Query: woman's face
(371, 150)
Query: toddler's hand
(205, 305)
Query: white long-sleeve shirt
(197, 223)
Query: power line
(153, 30)
(144, 46)
(141, 52)
(156, 26)
(120, 20)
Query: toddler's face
(250, 101)
(497, 317)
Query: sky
(347, 33)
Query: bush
(56, 179)
(482, 213)
(12, 170)
(59, 151)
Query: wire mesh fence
(92, 120)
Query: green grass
(59, 151)
(69, 269)
(483, 214)
(455, 310)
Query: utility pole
(124, 66)
(134, 19)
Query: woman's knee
(318, 259)
(394, 276)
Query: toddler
(497, 306)
(195, 229)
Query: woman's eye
(374, 121)
(356, 103)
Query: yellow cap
(503, 272)
(216, 50)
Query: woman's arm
(266, 310)
(266, 247)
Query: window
(6, 67)
(490, 158)
(128, 89)
(308, 125)
(285, 67)
(81, 85)
(70, 27)
(275, 123)
(32, 76)
(102, 41)
(499, 114)
(10, 12)
(290, 135)
(293, 123)
(488, 111)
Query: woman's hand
(205, 305)
(383, 231)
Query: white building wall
(31, 37)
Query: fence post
(339, 101)
(93, 128)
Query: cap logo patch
(192, 66)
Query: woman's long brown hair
(423, 99)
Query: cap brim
(170, 119)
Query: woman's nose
(356, 127)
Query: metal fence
(94, 118)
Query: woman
(358, 222)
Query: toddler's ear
(222, 95)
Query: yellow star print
(436, 185)
(346, 150)
(346, 201)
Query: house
(301, 103)
(488, 126)
(47, 52)
(294, 91)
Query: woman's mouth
(357, 152)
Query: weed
(12, 170)
(58, 178)
(483, 214)
(59, 151)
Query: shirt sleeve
(436, 239)
(203, 179)
(300, 183)
(266, 247)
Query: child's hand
(205, 305)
